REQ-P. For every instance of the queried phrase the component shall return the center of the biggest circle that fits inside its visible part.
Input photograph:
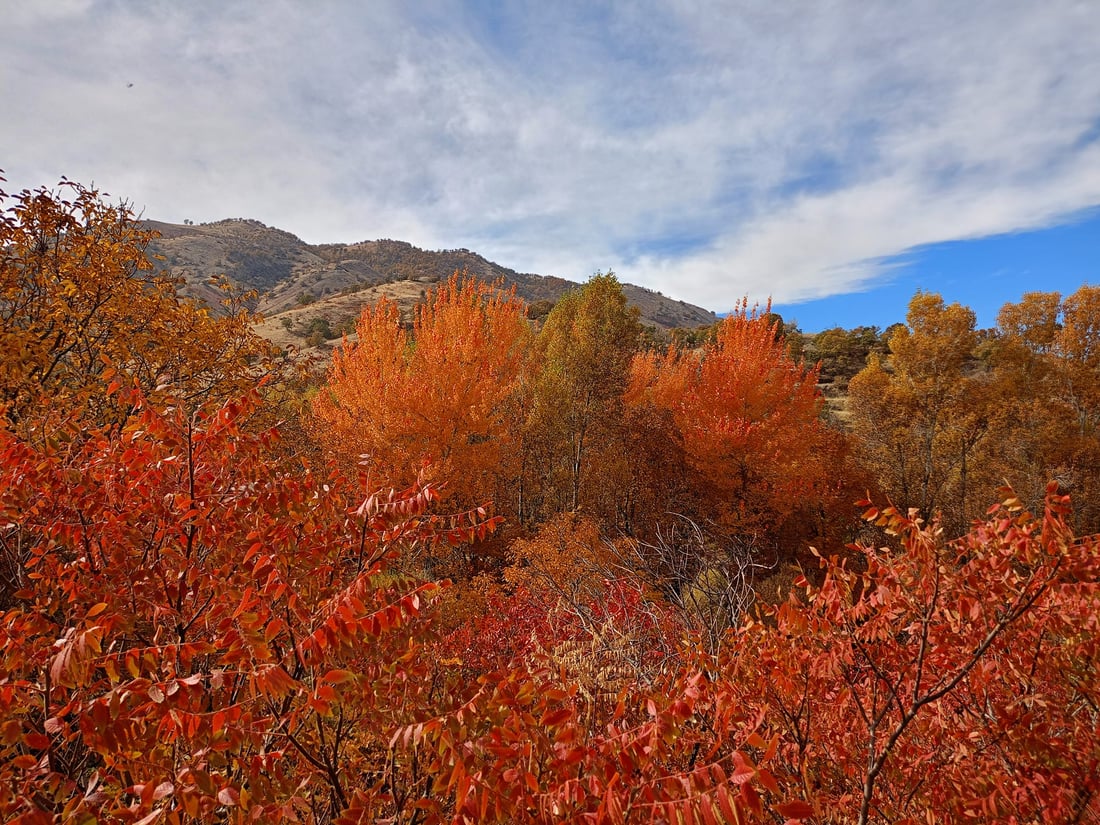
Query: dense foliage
(536, 572)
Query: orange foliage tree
(436, 395)
(194, 628)
(957, 678)
(953, 678)
(203, 635)
(749, 419)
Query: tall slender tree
(576, 408)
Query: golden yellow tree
(923, 417)
(80, 303)
(1046, 367)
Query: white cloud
(17, 13)
(707, 150)
(841, 242)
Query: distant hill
(325, 286)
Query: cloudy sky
(832, 155)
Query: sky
(833, 156)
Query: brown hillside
(298, 283)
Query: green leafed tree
(576, 407)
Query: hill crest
(300, 284)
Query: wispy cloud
(707, 150)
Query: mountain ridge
(301, 286)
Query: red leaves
(77, 650)
(229, 796)
(273, 682)
(880, 671)
(160, 648)
(795, 810)
(219, 634)
(338, 677)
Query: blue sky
(835, 156)
(983, 274)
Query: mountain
(304, 288)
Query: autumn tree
(200, 629)
(953, 677)
(434, 399)
(196, 626)
(650, 475)
(575, 407)
(80, 299)
(1046, 370)
(922, 416)
(203, 634)
(523, 751)
(748, 416)
(82, 312)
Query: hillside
(300, 284)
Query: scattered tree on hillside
(843, 353)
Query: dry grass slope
(300, 286)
